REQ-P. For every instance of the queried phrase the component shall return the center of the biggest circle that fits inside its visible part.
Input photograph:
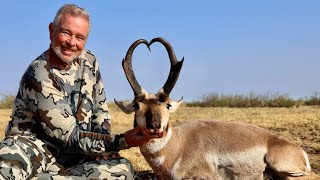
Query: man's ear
(51, 30)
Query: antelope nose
(154, 125)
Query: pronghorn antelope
(205, 149)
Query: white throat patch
(157, 144)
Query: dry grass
(4, 118)
(299, 125)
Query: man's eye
(80, 38)
(66, 33)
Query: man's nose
(72, 41)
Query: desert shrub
(6, 101)
(250, 100)
(313, 99)
(282, 100)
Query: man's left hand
(113, 155)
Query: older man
(60, 123)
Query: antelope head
(151, 110)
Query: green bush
(6, 101)
(313, 100)
(250, 100)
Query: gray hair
(73, 10)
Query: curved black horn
(174, 68)
(127, 67)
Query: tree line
(222, 100)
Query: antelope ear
(125, 107)
(173, 105)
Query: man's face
(69, 37)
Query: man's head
(69, 32)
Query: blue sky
(229, 47)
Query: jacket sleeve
(100, 113)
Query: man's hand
(135, 138)
(114, 155)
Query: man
(60, 125)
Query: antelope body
(206, 149)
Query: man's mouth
(68, 51)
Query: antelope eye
(136, 106)
(169, 106)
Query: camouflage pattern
(26, 157)
(61, 120)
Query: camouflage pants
(26, 157)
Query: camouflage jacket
(66, 108)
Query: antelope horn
(127, 67)
(174, 68)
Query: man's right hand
(135, 138)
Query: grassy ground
(300, 125)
